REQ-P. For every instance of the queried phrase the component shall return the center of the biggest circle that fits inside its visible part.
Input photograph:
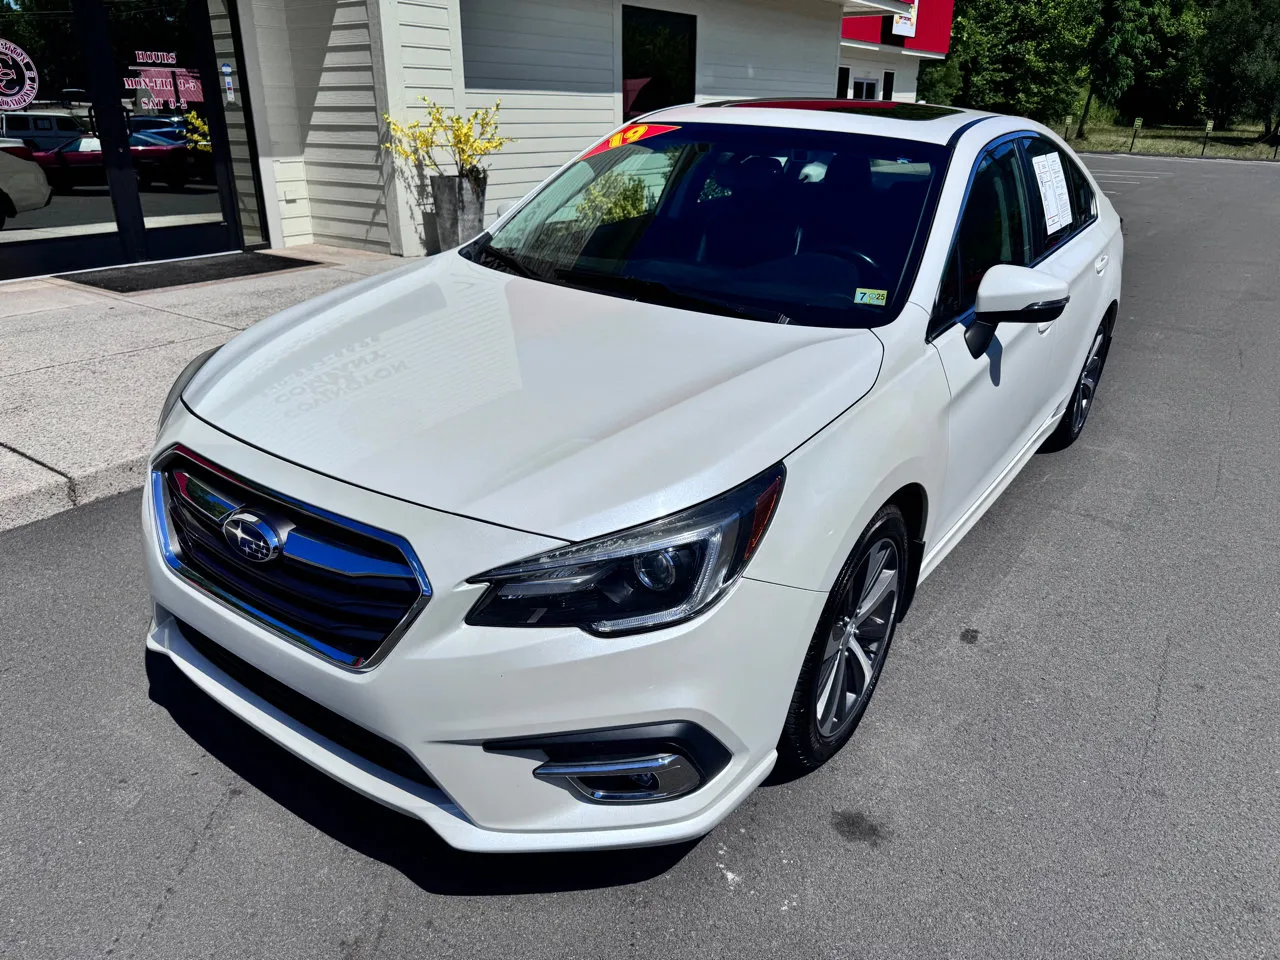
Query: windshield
(797, 226)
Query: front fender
(894, 437)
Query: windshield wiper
(510, 262)
(655, 291)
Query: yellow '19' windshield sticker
(876, 298)
(629, 134)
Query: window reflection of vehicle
(79, 162)
(40, 130)
(153, 124)
(199, 154)
(22, 183)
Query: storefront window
(48, 190)
(156, 48)
(122, 117)
(235, 99)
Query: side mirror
(1009, 294)
(502, 209)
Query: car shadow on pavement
(400, 841)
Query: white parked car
(565, 539)
(23, 185)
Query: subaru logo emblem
(251, 536)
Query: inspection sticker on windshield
(876, 298)
(1054, 196)
(629, 134)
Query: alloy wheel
(1088, 384)
(858, 640)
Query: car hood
(549, 409)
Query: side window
(1083, 199)
(67, 124)
(993, 229)
(18, 123)
(43, 123)
(1064, 199)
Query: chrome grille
(343, 589)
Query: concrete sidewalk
(83, 372)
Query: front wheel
(1086, 389)
(849, 647)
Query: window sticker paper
(875, 298)
(1054, 195)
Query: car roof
(926, 122)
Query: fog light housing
(634, 780)
(645, 763)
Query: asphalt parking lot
(1074, 752)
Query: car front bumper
(446, 688)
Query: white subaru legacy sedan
(566, 538)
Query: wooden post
(1208, 129)
(1137, 125)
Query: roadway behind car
(1073, 751)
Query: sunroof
(878, 108)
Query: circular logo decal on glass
(18, 78)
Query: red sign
(633, 133)
(189, 88)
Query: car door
(84, 158)
(1001, 399)
(1072, 246)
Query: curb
(33, 492)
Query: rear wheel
(848, 650)
(1086, 390)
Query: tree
(939, 81)
(1242, 62)
(1260, 67)
(1021, 58)
(1120, 36)
(1169, 83)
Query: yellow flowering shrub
(197, 133)
(444, 138)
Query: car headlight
(647, 577)
(175, 392)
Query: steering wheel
(845, 252)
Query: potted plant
(448, 151)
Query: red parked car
(79, 162)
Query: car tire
(847, 653)
(1083, 393)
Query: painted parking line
(1142, 158)
(1136, 183)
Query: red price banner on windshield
(630, 134)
